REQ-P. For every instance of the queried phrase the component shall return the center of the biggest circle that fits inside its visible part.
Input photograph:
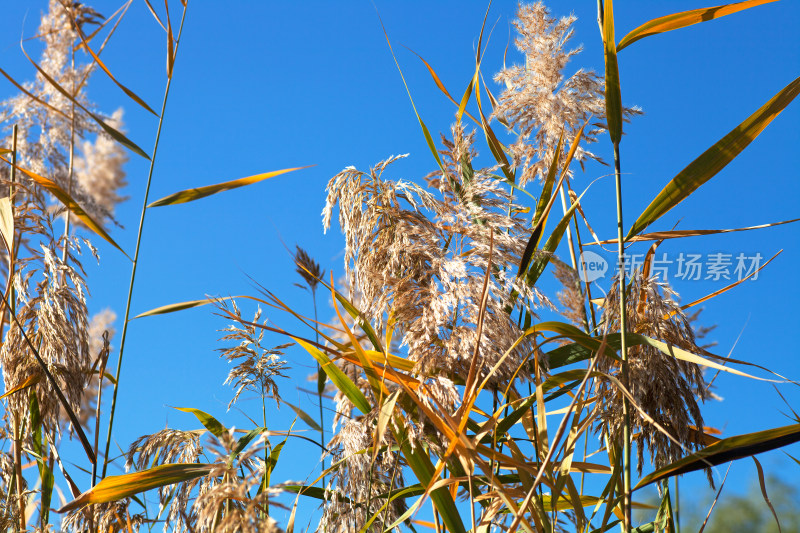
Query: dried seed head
(112, 516)
(665, 388)
(45, 137)
(539, 102)
(256, 367)
(51, 320)
(308, 269)
(355, 486)
(423, 259)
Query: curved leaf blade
(190, 195)
(209, 422)
(613, 95)
(684, 19)
(115, 488)
(714, 159)
(726, 450)
(180, 306)
(305, 417)
(62, 195)
(678, 353)
(114, 133)
(683, 233)
(339, 378)
(33, 379)
(132, 95)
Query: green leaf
(46, 478)
(547, 189)
(726, 450)
(246, 439)
(274, 456)
(613, 96)
(190, 195)
(550, 246)
(684, 19)
(209, 422)
(304, 417)
(421, 464)
(313, 492)
(115, 488)
(339, 378)
(543, 211)
(714, 159)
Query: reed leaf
(550, 246)
(684, 19)
(463, 103)
(114, 488)
(339, 378)
(190, 195)
(46, 478)
(422, 467)
(30, 380)
(114, 133)
(64, 197)
(680, 234)
(425, 132)
(540, 216)
(710, 162)
(7, 224)
(725, 450)
(304, 416)
(679, 353)
(209, 422)
(613, 95)
(133, 96)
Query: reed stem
(626, 430)
(136, 256)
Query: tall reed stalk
(145, 202)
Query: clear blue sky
(261, 86)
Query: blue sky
(261, 86)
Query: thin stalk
(320, 390)
(572, 256)
(136, 256)
(677, 508)
(265, 481)
(13, 299)
(71, 168)
(588, 294)
(101, 374)
(587, 284)
(626, 430)
(18, 470)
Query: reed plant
(456, 406)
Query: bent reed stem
(136, 254)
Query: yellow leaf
(30, 380)
(189, 195)
(685, 18)
(115, 488)
(62, 195)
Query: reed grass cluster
(456, 406)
